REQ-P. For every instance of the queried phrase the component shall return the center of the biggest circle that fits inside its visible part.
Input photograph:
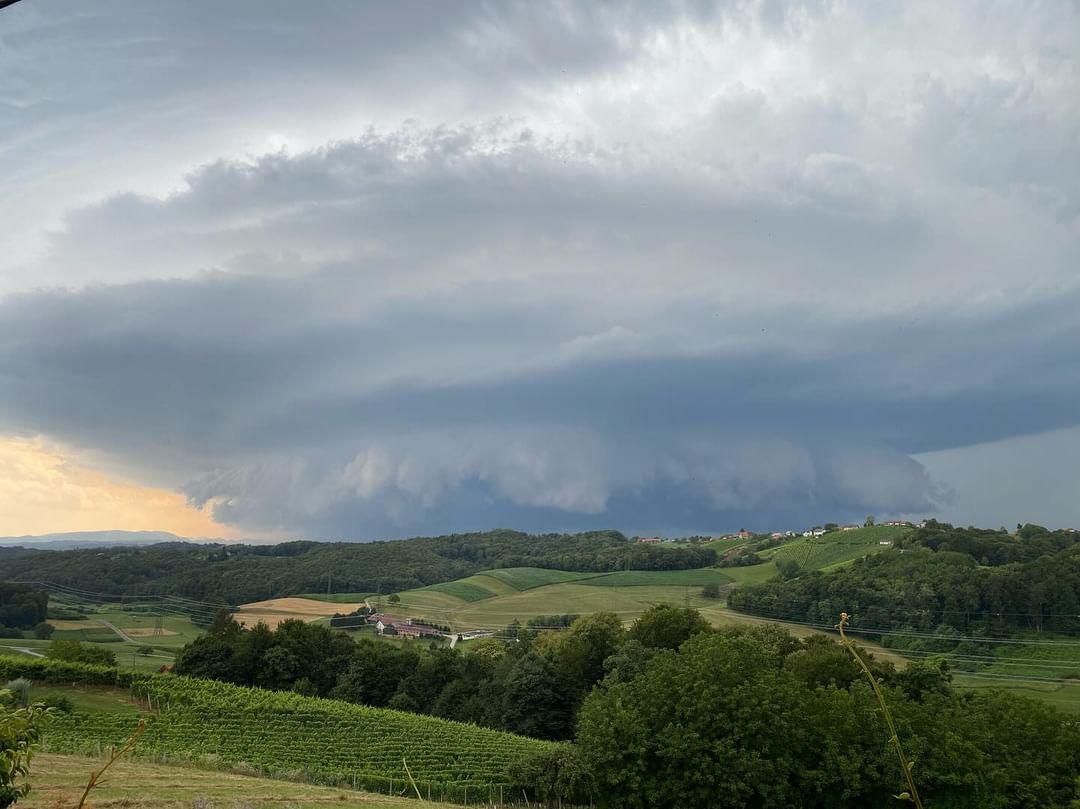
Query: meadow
(59, 780)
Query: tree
(394, 599)
(20, 734)
(74, 652)
(869, 522)
(43, 631)
(579, 653)
(667, 627)
(224, 623)
(789, 568)
(716, 724)
(711, 590)
(535, 703)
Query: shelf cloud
(372, 271)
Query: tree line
(240, 573)
(965, 580)
(21, 607)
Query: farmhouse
(411, 630)
(650, 540)
(896, 523)
(744, 534)
(816, 531)
(848, 527)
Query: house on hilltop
(650, 540)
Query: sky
(364, 270)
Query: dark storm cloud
(665, 266)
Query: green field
(463, 589)
(659, 578)
(336, 598)
(58, 781)
(526, 578)
(754, 574)
(1064, 696)
(836, 547)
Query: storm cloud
(674, 268)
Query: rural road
(24, 650)
(120, 632)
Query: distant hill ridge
(237, 573)
(90, 539)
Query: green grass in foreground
(59, 780)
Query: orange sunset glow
(44, 489)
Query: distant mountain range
(93, 539)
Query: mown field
(58, 781)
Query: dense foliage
(532, 686)
(964, 580)
(22, 606)
(241, 573)
(757, 718)
(20, 733)
(72, 651)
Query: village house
(650, 540)
(849, 527)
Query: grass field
(659, 578)
(526, 578)
(336, 598)
(88, 698)
(464, 589)
(1064, 696)
(58, 781)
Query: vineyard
(285, 735)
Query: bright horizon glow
(44, 489)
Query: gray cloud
(548, 266)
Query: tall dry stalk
(912, 793)
(118, 752)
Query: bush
(57, 701)
(71, 651)
(43, 631)
(554, 776)
(18, 692)
(711, 590)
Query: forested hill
(240, 573)
(940, 577)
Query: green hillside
(299, 738)
(836, 547)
